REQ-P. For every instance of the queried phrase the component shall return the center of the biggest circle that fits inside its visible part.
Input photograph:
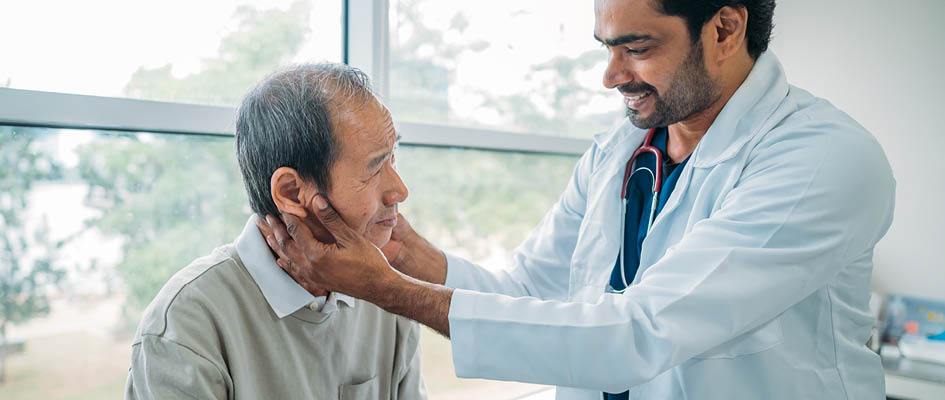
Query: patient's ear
(293, 195)
(288, 192)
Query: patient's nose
(397, 191)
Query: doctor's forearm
(424, 302)
(423, 261)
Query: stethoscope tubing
(656, 178)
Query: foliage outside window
(95, 222)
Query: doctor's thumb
(329, 217)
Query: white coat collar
(742, 117)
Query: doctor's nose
(617, 73)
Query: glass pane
(94, 224)
(103, 219)
(206, 52)
(478, 205)
(527, 66)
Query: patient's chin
(380, 236)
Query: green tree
(557, 83)
(424, 64)
(171, 198)
(480, 202)
(28, 265)
(262, 41)
(423, 68)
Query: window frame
(365, 46)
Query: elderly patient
(232, 324)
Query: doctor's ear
(289, 192)
(729, 27)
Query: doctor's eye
(637, 52)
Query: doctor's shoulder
(810, 130)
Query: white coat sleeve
(797, 215)
(541, 264)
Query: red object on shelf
(911, 327)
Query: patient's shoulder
(187, 302)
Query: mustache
(635, 88)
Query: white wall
(883, 62)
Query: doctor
(742, 271)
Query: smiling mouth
(636, 100)
(638, 97)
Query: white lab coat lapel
(600, 231)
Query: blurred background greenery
(132, 208)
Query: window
(103, 198)
(105, 218)
(522, 66)
(478, 205)
(206, 52)
(94, 223)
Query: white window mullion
(367, 40)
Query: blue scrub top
(639, 194)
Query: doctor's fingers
(293, 261)
(297, 271)
(279, 231)
(403, 228)
(302, 247)
(301, 275)
(270, 236)
(329, 217)
(280, 253)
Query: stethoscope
(656, 176)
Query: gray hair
(285, 121)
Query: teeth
(638, 97)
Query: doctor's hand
(351, 264)
(413, 255)
(354, 266)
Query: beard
(692, 90)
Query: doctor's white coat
(753, 283)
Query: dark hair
(698, 12)
(285, 122)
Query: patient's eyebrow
(376, 161)
(625, 39)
